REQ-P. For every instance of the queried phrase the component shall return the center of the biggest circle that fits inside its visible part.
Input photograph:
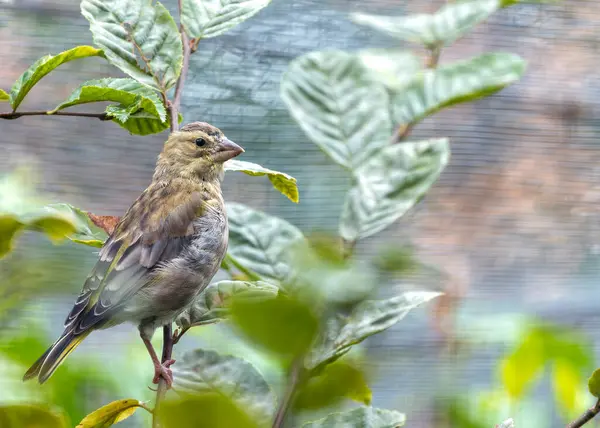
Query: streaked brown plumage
(163, 252)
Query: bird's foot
(163, 370)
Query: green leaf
(43, 66)
(138, 36)
(322, 274)
(204, 19)
(451, 22)
(391, 183)
(366, 319)
(391, 67)
(261, 243)
(284, 326)
(4, 96)
(213, 303)
(55, 226)
(140, 110)
(286, 184)
(207, 372)
(86, 232)
(341, 109)
(363, 417)
(122, 112)
(110, 414)
(21, 209)
(338, 381)
(141, 122)
(462, 81)
(594, 383)
(9, 227)
(203, 411)
(30, 416)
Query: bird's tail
(54, 356)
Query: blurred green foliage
(564, 352)
(302, 301)
(28, 416)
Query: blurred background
(512, 225)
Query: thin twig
(174, 106)
(16, 115)
(586, 417)
(168, 339)
(146, 408)
(431, 62)
(434, 56)
(295, 379)
(162, 383)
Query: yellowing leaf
(42, 67)
(520, 368)
(3, 95)
(285, 183)
(566, 380)
(562, 349)
(110, 414)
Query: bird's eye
(200, 142)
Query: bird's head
(196, 150)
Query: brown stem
(162, 384)
(16, 115)
(587, 416)
(295, 378)
(174, 106)
(431, 62)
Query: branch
(295, 378)
(162, 384)
(432, 61)
(16, 115)
(586, 417)
(168, 339)
(187, 50)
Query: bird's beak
(227, 149)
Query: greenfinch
(163, 252)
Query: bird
(161, 254)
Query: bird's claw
(165, 372)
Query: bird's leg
(160, 370)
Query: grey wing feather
(113, 286)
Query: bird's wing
(154, 230)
